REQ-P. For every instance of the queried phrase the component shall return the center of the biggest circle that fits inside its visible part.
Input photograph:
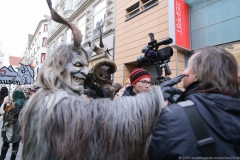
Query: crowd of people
(11, 105)
(150, 125)
(142, 122)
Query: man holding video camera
(210, 100)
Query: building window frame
(44, 42)
(43, 56)
(139, 7)
(45, 28)
(82, 27)
(99, 13)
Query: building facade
(4, 57)
(37, 47)
(192, 24)
(215, 23)
(88, 15)
(135, 19)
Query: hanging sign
(25, 75)
(179, 24)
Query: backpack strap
(206, 143)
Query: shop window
(99, 18)
(44, 44)
(45, 28)
(139, 7)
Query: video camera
(153, 56)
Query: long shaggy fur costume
(59, 126)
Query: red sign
(179, 24)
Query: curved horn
(100, 39)
(104, 62)
(102, 45)
(75, 31)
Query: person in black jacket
(11, 128)
(211, 82)
(140, 82)
(3, 94)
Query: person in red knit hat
(140, 82)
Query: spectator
(11, 128)
(127, 83)
(117, 87)
(140, 82)
(214, 93)
(3, 94)
(120, 92)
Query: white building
(36, 49)
(87, 15)
(4, 57)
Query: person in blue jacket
(211, 82)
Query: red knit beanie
(138, 74)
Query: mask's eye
(78, 64)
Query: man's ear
(196, 78)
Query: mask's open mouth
(78, 79)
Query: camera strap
(206, 143)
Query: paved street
(10, 149)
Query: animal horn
(104, 62)
(75, 31)
(100, 39)
(102, 45)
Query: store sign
(179, 24)
(24, 75)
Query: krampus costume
(58, 124)
(98, 83)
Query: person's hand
(9, 106)
(8, 102)
(168, 89)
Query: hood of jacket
(221, 112)
(128, 91)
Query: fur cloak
(59, 126)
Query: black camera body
(153, 56)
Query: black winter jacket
(174, 136)
(129, 91)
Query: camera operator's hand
(168, 89)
